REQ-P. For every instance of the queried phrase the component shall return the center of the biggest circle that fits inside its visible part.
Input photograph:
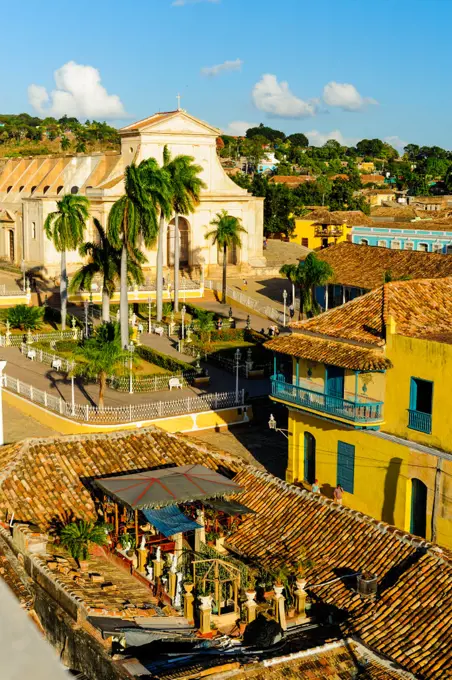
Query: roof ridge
(383, 527)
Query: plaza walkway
(44, 378)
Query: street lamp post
(285, 302)
(182, 314)
(23, 268)
(237, 356)
(131, 349)
(2, 366)
(72, 391)
(149, 314)
(86, 306)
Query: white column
(2, 366)
(343, 295)
(326, 298)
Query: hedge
(162, 360)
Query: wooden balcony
(328, 231)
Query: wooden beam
(116, 520)
(136, 528)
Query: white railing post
(18, 386)
(45, 399)
(159, 408)
(31, 392)
(87, 412)
(215, 401)
(61, 405)
(130, 413)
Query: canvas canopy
(170, 486)
(170, 520)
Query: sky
(342, 69)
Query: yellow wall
(379, 199)
(304, 228)
(205, 420)
(383, 472)
(413, 357)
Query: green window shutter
(346, 466)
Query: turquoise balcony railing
(359, 410)
(422, 422)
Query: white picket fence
(15, 340)
(247, 301)
(124, 414)
(47, 358)
(150, 383)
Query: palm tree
(77, 536)
(104, 261)
(289, 271)
(226, 235)
(186, 190)
(65, 227)
(101, 356)
(159, 189)
(131, 218)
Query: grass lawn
(143, 367)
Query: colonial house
(321, 228)
(358, 269)
(31, 187)
(367, 396)
(424, 235)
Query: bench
(159, 330)
(174, 382)
(31, 354)
(56, 364)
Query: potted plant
(188, 582)
(127, 542)
(77, 536)
(250, 590)
(203, 595)
(302, 563)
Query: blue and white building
(421, 235)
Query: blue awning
(170, 520)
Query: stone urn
(206, 601)
(188, 587)
(301, 583)
(278, 588)
(250, 595)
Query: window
(33, 189)
(449, 250)
(421, 402)
(33, 230)
(346, 466)
(382, 244)
(364, 242)
(21, 188)
(59, 190)
(74, 190)
(422, 247)
(395, 245)
(309, 458)
(437, 248)
(9, 189)
(46, 188)
(418, 513)
(409, 245)
(305, 242)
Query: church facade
(31, 187)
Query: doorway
(309, 458)
(184, 242)
(11, 245)
(335, 381)
(418, 518)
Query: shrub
(162, 360)
(25, 318)
(77, 536)
(65, 345)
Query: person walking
(338, 493)
(245, 285)
(291, 310)
(315, 488)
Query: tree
(226, 235)
(104, 261)
(101, 356)
(77, 536)
(324, 186)
(254, 151)
(159, 189)
(65, 227)
(24, 317)
(131, 218)
(65, 143)
(263, 131)
(370, 147)
(316, 272)
(290, 272)
(186, 188)
(411, 151)
(298, 139)
(204, 323)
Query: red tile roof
(365, 266)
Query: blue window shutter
(346, 466)
(413, 394)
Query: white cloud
(317, 138)
(345, 96)
(235, 65)
(396, 142)
(182, 3)
(79, 92)
(238, 128)
(276, 99)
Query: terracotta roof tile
(327, 351)
(377, 179)
(364, 266)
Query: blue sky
(343, 68)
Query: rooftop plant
(77, 536)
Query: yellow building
(322, 228)
(369, 404)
